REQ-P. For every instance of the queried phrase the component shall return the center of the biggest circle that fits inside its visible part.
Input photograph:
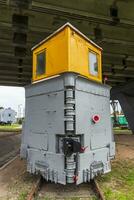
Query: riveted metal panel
(45, 86)
(63, 107)
(90, 99)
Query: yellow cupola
(67, 50)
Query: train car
(7, 116)
(120, 121)
(67, 134)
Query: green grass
(118, 130)
(119, 184)
(22, 196)
(73, 198)
(13, 127)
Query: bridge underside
(23, 23)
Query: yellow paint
(67, 51)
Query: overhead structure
(24, 23)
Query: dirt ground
(15, 182)
(9, 175)
(8, 133)
(124, 146)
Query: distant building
(7, 116)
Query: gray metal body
(63, 107)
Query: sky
(13, 97)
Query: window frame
(36, 55)
(97, 55)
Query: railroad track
(9, 162)
(8, 157)
(9, 147)
(33, 194)
(97, 190)
(38, 186)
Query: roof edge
(60, 29)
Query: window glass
(41, 63)
(93, 64)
